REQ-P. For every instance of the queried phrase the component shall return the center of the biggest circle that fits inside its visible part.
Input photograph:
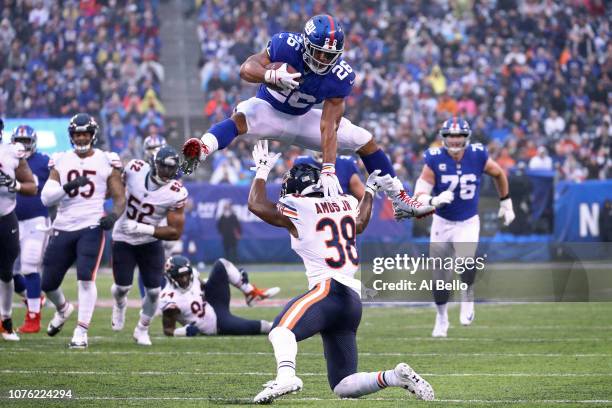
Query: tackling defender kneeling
(323, 232)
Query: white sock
(149, 306)
(57, 298)
(266, 326)
(358, 384)
(34, 305)
(120, 294)
(235, 276)
(144, 322)
(6, 298)
(210, 141)
(443, 311)
(88, 293)
(285, 350)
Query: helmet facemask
(83, 147)
(455, 142)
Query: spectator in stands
(541, 161)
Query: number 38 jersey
(462, 178)
(83, 207)
(326, 239)
(193, 309)
(146, 204)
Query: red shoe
(260, 294)
(31, 323)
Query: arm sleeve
(51, 193)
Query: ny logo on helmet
(310, 27)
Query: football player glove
(6, 180)
(194, 151)
(282, 78)
(445, 197)
(329, 182)
(108, 221)
(375, 183)
(191, 330)
(134, 227)
(264, 160)
(506, 211)
(80, 181)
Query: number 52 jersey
(146, 202)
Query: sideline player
(153, 195)
(78, 183)
(15, 177)
(203, 307)
(323, 232)
(346, 171)
(450, 181)
(34, 223)
(283, 109)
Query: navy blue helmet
(25, 135)
(301, 179)
(179, 272)
(323, 42)
(164, 164)
(83, 123)
(455, 127)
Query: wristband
(507, 196)
(268, 76)
(328, 168)
(145, 229)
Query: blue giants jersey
(313, 89)
(31, 206)
(345, 168)
(462, 178)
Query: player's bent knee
(280, 333)
(370, 147)
(240, 120)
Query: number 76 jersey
(146, 202)
(462, 178)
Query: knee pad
(118, 290)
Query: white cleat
(141, 336)
(413, 382)
(7, 331)
(277, 388)
(466, 316)
(10, 336)
(118, 317)
(441, 327)
(56, 324)
(79, 340)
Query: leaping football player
(450, 181)
(78, 184)
(15, 177)
(283, 108)
(323, 232)
(202, 307)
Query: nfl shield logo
(442, 166)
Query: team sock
(236, 277)
(358, 384)
(378, 161)
(57, 298)
(468, 294)
(220, 135)
(120, 294)
(285, 350)
(88, 294)
(149, 306)
(20, 284)
(32, 282)
(442, 310)
(266, 326)
(6, 298)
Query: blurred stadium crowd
(532, 77)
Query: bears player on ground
(34, 223)
(346, 171)
(283, 108)
(450, 181)
(323, 232)
(15, 177)
(153, 195)
(203, 307)
(78, 184)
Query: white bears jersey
(83, 207)
(10, 154)
(326, 237)
(193, 309)
(145, 204)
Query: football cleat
(466, 316)
(405, 206)
(58, 320)
(413, 382)
(31, 323)
(441, 327)
(141, 336)
(79, 339)
(8, 333)
(118, 317)
(257, 295)
(194, 151)
(277, 388)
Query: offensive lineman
(78, 184)
(323, 232)
(152, 195)
(15, 177)
(283, 109)
(203, 307)
(450, 181)
(34, 223)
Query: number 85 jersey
(462, 178)
(146, 202)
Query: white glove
(375, 183)
(445, 197)
(329, 182)
(264, 160)
(282, 78)
(134, 227)
(506, 211)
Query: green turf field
(547, 354)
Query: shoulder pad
(114, 160)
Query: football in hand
(277, 65)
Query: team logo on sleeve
(442, 166)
